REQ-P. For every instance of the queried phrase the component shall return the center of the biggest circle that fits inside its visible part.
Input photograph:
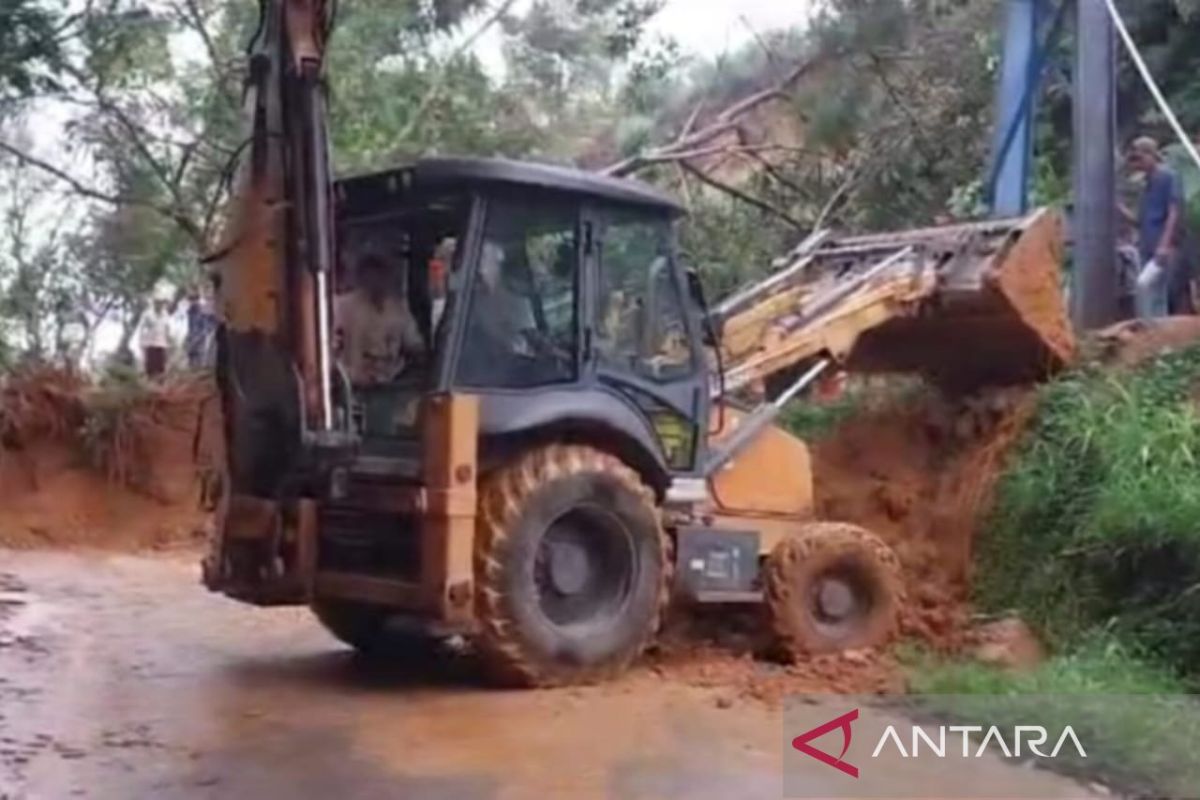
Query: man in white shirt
(154, 337)
(375, 334)
(502, 313)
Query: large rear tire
(571, 565)
(832, 587)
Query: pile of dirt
(118, 478)
(919, 472)
(745, 677)
(1134, 342)
(919, 475)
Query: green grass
(1097, 524)
(1138, 733)
(813, 421)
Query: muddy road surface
(121, 678)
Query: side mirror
(696, 290)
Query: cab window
(640, 323)
(522, 324)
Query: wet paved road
(121, 678)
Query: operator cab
(552, 294)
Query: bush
(813, 420)
(1097, 524)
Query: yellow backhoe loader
(567, 452)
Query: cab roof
(465, 173)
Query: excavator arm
(273, 269)
(273, 275)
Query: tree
(405, 83)
(31, 41)
(154, 95)
(564, 62)
(38, 318)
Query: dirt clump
(919, 474)
(84, 466)
(730, 649)
(1133, 342)
(1008, 643)
(745, 677)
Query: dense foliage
(1095, 527)
(119, 120)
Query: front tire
(572, 568)
(833, 587)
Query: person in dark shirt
(200, 327)
(1159, 226)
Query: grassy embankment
(1094, 540)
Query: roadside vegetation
(107, 422)
(1094, 541)
(1094, 532)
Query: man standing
(375, 332)
(200, 325)
(1159, 223)
(1178, 158)
(154, 337)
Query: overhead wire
(1151, 84)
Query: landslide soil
(53, 493)
(916, 470)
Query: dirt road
(121, 678)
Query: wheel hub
(570, 568)
(835, 599)
(584, 567)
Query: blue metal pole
(1012, 143)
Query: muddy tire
(571, 566)
(832, 587)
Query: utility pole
(1016, 99)
(1094, 282)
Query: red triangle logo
(801, 743)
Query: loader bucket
(995, 315)
(966, 306)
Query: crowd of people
(158, 334)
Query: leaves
(30, 48)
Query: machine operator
(376, 336)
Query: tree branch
(835, 199)
(195, 20)
(714, 150)
(918, 131)
(724, 122)
(439, 82)
(745, 198)
(773, 171)
(83, 190)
